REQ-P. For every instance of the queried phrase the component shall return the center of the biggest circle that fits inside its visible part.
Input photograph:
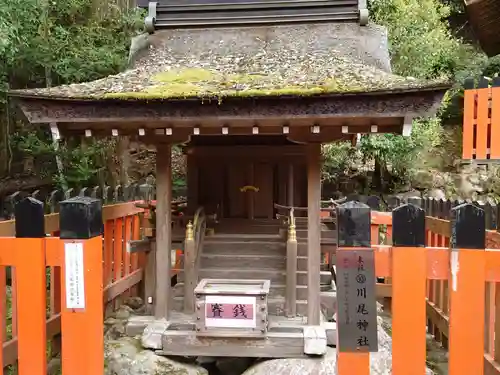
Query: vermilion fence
(121, 274)
(431, 284)
(438, 294)
(481, 121)
(444, 277)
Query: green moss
(164, 368)
(240, 78)
(281, 91)
(172, 90)
(203, 83)
(186, 75)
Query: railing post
(190, 274)
(150, 278)
(291, 269)
(31, 288)
(356, 300)
(82, 311)
(467, 263)
(409, 275)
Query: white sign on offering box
(230, 311)
(74, 275)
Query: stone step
(278, 277)
(250, 261)
(275, 305)
(258, 248)
(242, 247)
(276, 290)
(243, 237)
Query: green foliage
(83, 164)
(338, 159)
(68, 39)
(53, 42)
(422, 46)
(421, 42)
(402, 155)
(397, 158)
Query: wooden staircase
(256, 256)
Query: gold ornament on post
(292, 234)
(246, 188)
(189, 231)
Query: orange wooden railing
(438, 292)
(381, 234)
(438, 289)
(122, 273)
(421, 291)
(481, 123)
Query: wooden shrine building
(252, 105)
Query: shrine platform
(285, 338)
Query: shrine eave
(136, 113)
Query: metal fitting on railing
(189, 232)
(292, 233)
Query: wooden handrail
(332, 202)
(193, 247)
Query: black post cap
(30, 220)
(469, 83)
(408, 226)
(483, 83)
(80, 218)
(468, 227)
(354, 219)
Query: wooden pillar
(163, 229)
(291, 269)
(313, 232)
(290, 189)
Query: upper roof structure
(164, 14)
(245, 80)
(249, 62)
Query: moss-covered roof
(180, 67)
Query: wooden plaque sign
(356, 301)
(236, 308)
(74, 275)
(230, 311)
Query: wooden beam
(253, 152)
(119, 287)
(417, 101)
(163, 230)
(276, 345)
(313, 232)
(290, 190)
(139, 246)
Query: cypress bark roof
(251, 62)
